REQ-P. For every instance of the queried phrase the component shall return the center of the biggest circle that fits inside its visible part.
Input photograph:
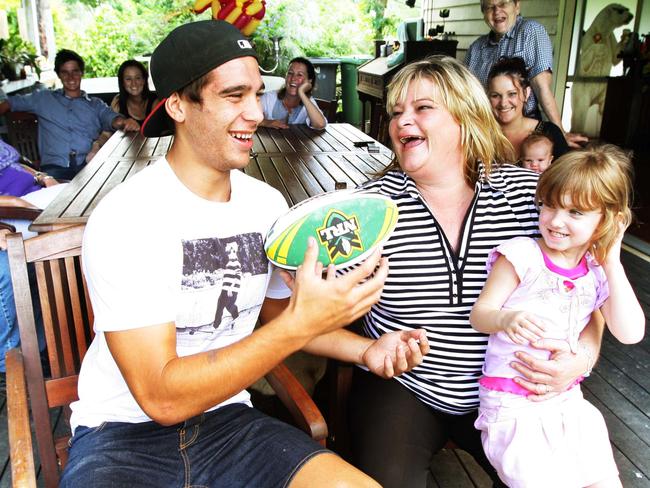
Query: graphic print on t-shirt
(223, 285)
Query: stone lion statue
(598, 53)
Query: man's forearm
(171, 389)
(542, 87)
(4, 107)
(118, 122)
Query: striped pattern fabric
(429, 287)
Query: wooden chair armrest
(22, 213)
(9, 227)
(301, 406)
(23, 472)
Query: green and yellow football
(347, 224)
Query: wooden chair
(8, 212)
(67, 319)
(22, 131)
(328, 107)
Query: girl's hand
(614, 254)
(522, 327)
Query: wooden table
(299, 162)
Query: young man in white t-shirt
(162, 398)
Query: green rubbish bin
(351, 103)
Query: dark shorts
(233, 446)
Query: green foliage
(116, 30)
(9, 4)
(314, 29)
(380, 23)
(15, 52)
(106, 32)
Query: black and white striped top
(429, 287)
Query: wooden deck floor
(619, 388)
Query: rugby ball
(347, 224)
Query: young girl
(548, 288)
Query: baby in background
(537, 152)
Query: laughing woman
(293, 104)
(134, 100)
(457, 198)
(508, 90)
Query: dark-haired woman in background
(293, 104)
(134, 100)
(508, 90)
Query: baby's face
(537, 156)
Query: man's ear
(175, 107)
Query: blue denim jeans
(233, 446)
(9, 332)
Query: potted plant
(15, 54)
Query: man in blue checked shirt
(513, 36)
(69, 120)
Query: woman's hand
(275, 124)
(521, 327)
(303, 89)
(576, 141)
(49, 181)
(546, 378)
(396, 352)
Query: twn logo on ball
(340, 234)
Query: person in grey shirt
(69, 120)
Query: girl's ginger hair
(595, 178)
(463, 96)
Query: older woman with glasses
(513, 36)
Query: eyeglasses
(502, 5)
(71, 73)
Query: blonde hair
(465, 99)
(596, 178)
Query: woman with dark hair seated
(508, 90)
(134, 100)
(293, 104)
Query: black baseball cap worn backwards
(187, 53)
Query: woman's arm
(40, 178)
(316, 117)
(11, 201)
(274, 124)
(547, 378)
(115, 104)
(390, 355)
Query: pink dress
(563, 441)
